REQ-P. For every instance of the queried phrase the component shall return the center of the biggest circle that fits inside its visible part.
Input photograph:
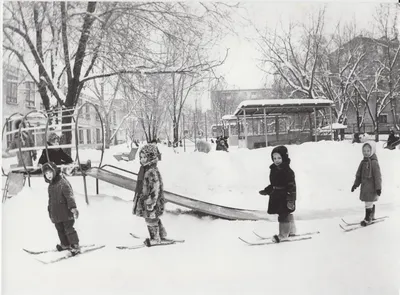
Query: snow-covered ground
(213, 260)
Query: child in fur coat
(282, 192)
(369, 177)
(149, 195)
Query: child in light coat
(369, 177)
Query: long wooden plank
(201, 206)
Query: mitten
(75, 212)
(378, 192)
(291, 205)
(262, 192)
(353, 188)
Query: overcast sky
(240, 69)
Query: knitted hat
(283, 151)
(150, 151)
(52, 136)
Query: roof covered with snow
(281, 106)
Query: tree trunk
(108, 132)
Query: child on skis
(282, 192)
(149, 195)
(369, 177)
(62, 208)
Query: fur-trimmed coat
(369, 177)
(149, 196)
(282, 190)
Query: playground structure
(102, 172)
(264, 122)
(38, 124)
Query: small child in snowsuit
(62, 208)
(282, 192)
(149, 195)
(369, 177)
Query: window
(12, 89)
(29, 94)
(79, 104)
(98, 136)
(81, 139)
(87, 109)
(383, 118)
(253, 95)
(88, 136)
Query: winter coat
(61, 196)
(369, 177)
(281, 190)
(58, 156)
(26, 156)
(149, 197)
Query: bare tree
(84, 34)
(295, 54)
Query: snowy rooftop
(252, 107)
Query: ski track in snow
(212, 260)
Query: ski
(357, 223)
(271, 242)
(69, 255)
(175, 240)
(51, 250)
(163, 243)
(296, 235)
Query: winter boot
(284, 230)
(368, 214)
(75, 249)
(293, 229)
(373, 213)
(61, 247)
(163, 232)
(154, 232)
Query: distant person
(149, 195)
(62, 208)
(356, 138)
(282, 192)
(26, 141)
(392, 138)
(369, 177)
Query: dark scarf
(140, 178)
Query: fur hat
(283, 151)
(150, 151)
(52, 136)
(50, 166)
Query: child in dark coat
(62, 208)
(149, 195)
(282, 192)
(369, 177)
(58, 156)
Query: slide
(129, 183)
